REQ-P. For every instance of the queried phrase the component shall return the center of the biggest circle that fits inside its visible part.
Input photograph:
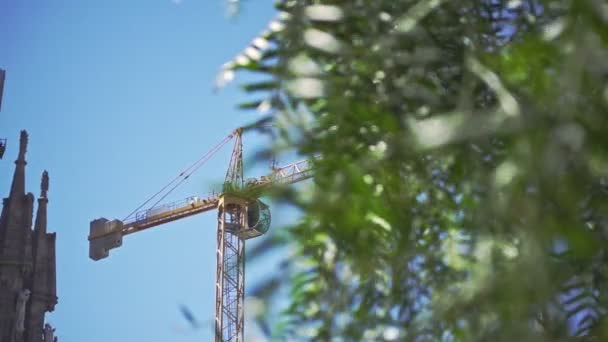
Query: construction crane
(241, 216)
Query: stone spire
(16, 262)
(16, 225)
(18, 185)
(44, 294)
(44, 184)
(40, 226)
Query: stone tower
(27, 261)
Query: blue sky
(117, 98)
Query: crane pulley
(241, 216)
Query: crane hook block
(103, 236)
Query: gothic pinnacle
(44, 184)
(23, 139)
(18, 184)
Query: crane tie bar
(184, 175)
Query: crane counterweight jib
(103, 236)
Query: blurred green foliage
(460, 192)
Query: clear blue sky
(117, 98)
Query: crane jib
(149, 218)
(159, 215)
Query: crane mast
(230, 253)
(241, 216)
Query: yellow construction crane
(241, 216)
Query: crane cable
(187, 172)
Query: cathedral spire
(43, 285)
(40, 225)
(18, 185)
(44, 184)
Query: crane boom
(287, 174)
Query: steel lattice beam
(230, 274)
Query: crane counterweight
(109, 237)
